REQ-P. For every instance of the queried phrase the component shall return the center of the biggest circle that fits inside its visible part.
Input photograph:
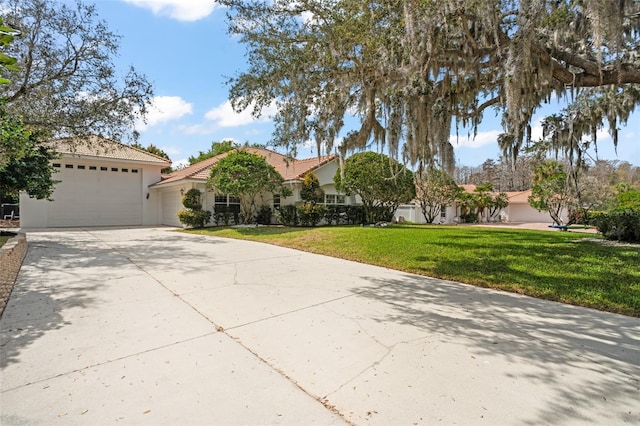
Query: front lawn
(562, 266)
(3, 239)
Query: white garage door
(526, 213)
(96, 196)
(171, 204)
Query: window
(104, 169)
(443, 211)
(276, 201)
(93, 168)
(81, 167)
(134, 170)
(114, 169)
(334, 199)
(56, 165)
(125, 170)
(226, 200)
(68, 166)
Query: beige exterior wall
(526, 213)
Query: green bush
(193, 215)
(311, 214)
(287, 215)
(470, 217)
(616, 225)
(191, 200)
(356, 215)
(335, 215)
(628, 200)
(263, 216)
(194, 218)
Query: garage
(526, 213)
(97, 195)
(101, 183)
(171, 204)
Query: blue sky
(182, 46)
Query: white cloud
(198, 129)
(224, 115)
(180, 164)
(182, 10)
(536, 130)
(165, 108)
(481, 139)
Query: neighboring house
(102, 183)
(171, 189)
(518, 210)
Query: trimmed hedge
(194, 218)
(620, 226)
(292, 215)
(311, 214)
(263, 216)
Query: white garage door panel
(171, 204)
(527, 214)
(97, 198)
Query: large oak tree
(66, 82)
(410, 69)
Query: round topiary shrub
(191, 200)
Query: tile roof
(514, 197)
(519, 197)
(290, 169)
(97, 146)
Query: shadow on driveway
(551, 336)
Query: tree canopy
(381, 182)
(245, 175)
(65, 82)
(7, 63)
(434, 189)
(550, 190)
(217, 148)
(24, 161)
(411, 69)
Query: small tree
(499, 202)
(246, 175)
(311, 211)
(434, 189)
(483, 198)
(311, 192)
(550, 190)
(193, 215)
(381, 182)
(466, 205)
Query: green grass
(561, 266)
(3, 240)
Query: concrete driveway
(150, 326)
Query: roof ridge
(106, 144)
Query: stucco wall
(96, 192)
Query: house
(518, 210)
(102, 183)
(106, 183)
(171, 189)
